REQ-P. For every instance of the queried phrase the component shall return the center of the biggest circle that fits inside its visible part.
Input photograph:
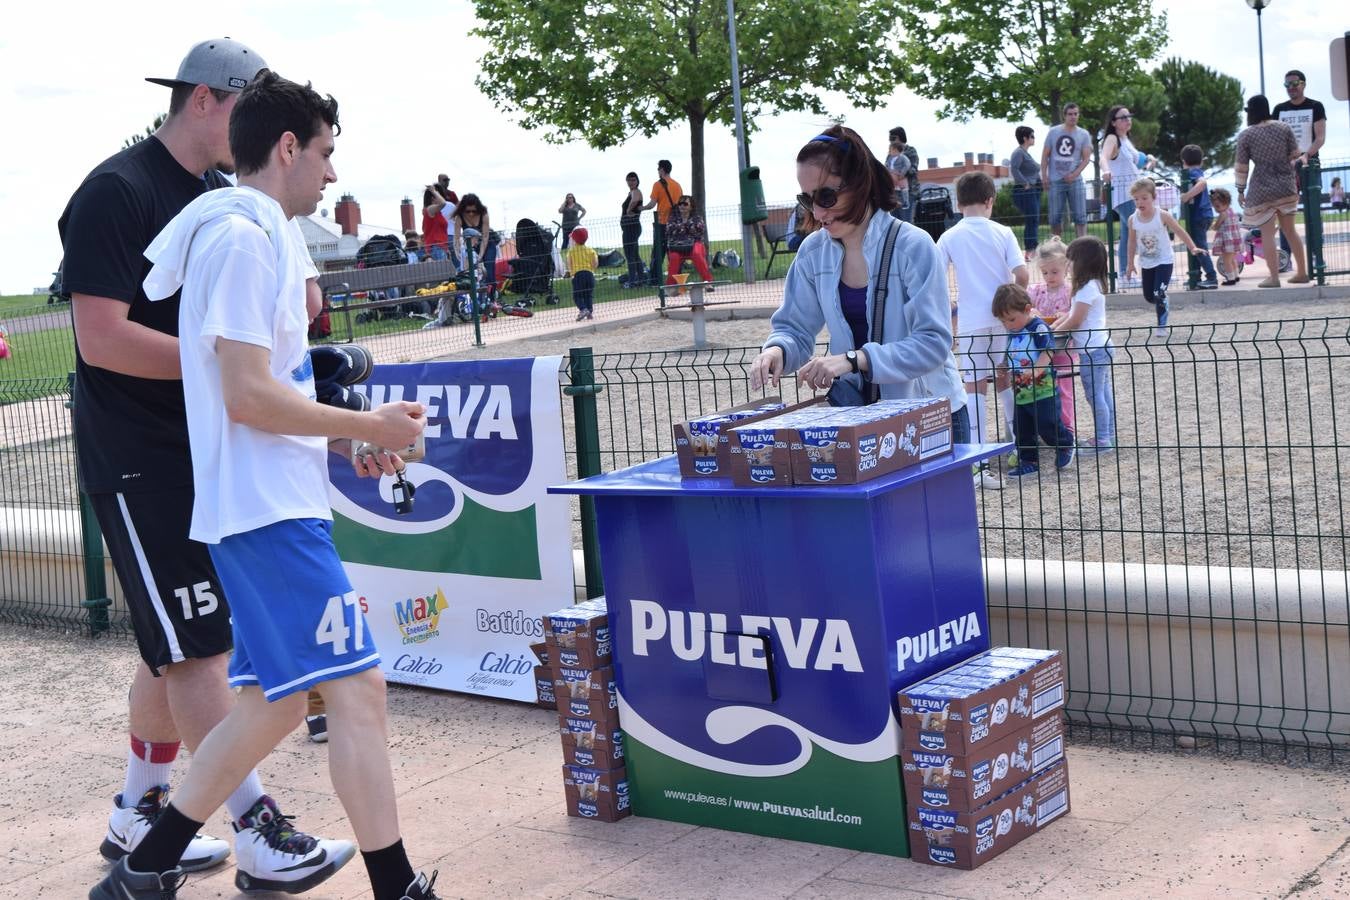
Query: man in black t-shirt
(134, 463)
(1308, 119)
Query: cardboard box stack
(982, 754)
(543, 675)
(818, 444)
(580, 653)
(702, 444)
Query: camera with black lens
(337, 367)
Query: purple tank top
(854, 303)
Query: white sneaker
(271, 855)
(988, 479)
(128, 825)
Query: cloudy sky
(71, 91)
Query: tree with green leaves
(149, 130)
(1014, 58)
(604, 71)
(1204, 107)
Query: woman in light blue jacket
(832, 283)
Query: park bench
(696, 305)
(407, 278)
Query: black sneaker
(318, 728)
(421, 888)
(123, 884)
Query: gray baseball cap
(222, 63)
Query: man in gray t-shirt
(1065, 155)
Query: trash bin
(753, 208)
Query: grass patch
(18, 306)
(46, 354)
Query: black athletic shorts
(177, 606)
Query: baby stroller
(933, 211)
(387, 250)
(532, 268)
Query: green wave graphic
(481, 541)
(665, 788)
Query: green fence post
(583, 391)
(473, 293)
(1187, 214)
(1312, 219)
(96, 599)
(1110, 253)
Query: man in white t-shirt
(259, 455)
(985, 255)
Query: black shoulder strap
(665, 187)
(879, 293)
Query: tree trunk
(696, 174)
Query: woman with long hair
(833, 282)
(472, 214)
(686, 238)
(630, 224)
(1122, 170)
(572, 213)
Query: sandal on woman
(1229, 282)
(1300, 279)
(1271, 282)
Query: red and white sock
(148, 764)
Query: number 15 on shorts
(342, 621)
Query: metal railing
(1195, 577)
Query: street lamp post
(1259, 5)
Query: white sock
(245, 797)
(143, 774)
(1005, 400)
(977, 417)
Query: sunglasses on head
(824, 197)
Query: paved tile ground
(481, 801)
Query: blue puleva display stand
(761, 635)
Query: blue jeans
(1072, 194)
(1124, 210)
(1095, 370)
(1035, 422)
(1155, 282)
(583, 290)
(1028, 203)
(961, 425)
(1199, 231)
(905, 213)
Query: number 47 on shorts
(333, 628)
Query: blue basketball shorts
(297, 621)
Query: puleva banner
(453, 591)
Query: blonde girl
(1053, 299)
(1151, 229)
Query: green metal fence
(1326, 220)
(1195, 579)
